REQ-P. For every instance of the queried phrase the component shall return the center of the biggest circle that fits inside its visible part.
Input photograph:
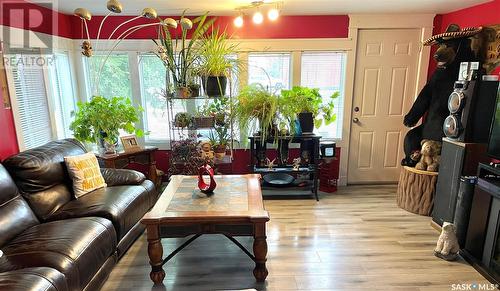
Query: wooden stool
(416, 190)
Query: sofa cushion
(15, 214)
(123, 205)
(75, 247)
(42, 169)
(32, 279)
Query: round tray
(278, 179)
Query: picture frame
(130, 143)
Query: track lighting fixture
(257, 18)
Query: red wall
(323, 26)
(479, 15)
(8, 139)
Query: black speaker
(471, 106)
(464, 204)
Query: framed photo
(130, 143)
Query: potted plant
(178, 54)
(101, 119)
(215, 62)
(257, 109)
(203, 118)
(307, 105)
(186, 158)
(219, 138)
(182, 120)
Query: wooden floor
(355, 239)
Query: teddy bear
(429, 156)
(454, 47)
(447, 246)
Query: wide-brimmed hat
(452, 32)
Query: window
(33, 121)
(153, 81)
(63, 96)
(326, 71)
(111, 79)
(271, 70)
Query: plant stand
(416, 190)
(309, 153)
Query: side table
(144, 156)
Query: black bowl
(278, 179)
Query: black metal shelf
(309, 152)
(197, 98)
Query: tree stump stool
(416, 190)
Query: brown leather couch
(52, 241)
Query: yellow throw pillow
(85, 172)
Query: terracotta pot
(220, 151)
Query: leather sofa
(52, 241)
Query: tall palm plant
(178, 54)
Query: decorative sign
(204, 187)
(3, 85)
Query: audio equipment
(471, 106)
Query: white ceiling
(290, 7)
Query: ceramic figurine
(296, 164)
(87, 49)
(270, 164)
(206, 150)
(204, 187)
(447, 245)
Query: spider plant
(256, 105)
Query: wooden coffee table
(235, 209)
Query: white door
(384, 90)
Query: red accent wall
(479, 15)
(323, 26)
(8, 139)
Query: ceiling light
(273, 14)
(257, 17)
(238, 21)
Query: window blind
(31, 98)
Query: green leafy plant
(177, 53)
(182, 119)
(303, 99)
(255, 106)
(103, 118)
(214, 51)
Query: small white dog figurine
(296, 164)
(447, 245)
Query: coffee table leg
(260, 252)
(155, 252)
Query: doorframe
(423, 22)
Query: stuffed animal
(429, 156)
(447, 245)
(454, 48)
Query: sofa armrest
(115, 177)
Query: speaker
(464, 204)
(471, 106)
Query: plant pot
(187, 92)
(214, 85)
(182, 120)
(220, 151)
(204, 122)
(306, 121)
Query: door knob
(355, 120)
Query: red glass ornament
(207, 189)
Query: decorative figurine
(296, 164)
(204, 188)
(206, 151)
(447, 245)
(87, 49)
(270, 164)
